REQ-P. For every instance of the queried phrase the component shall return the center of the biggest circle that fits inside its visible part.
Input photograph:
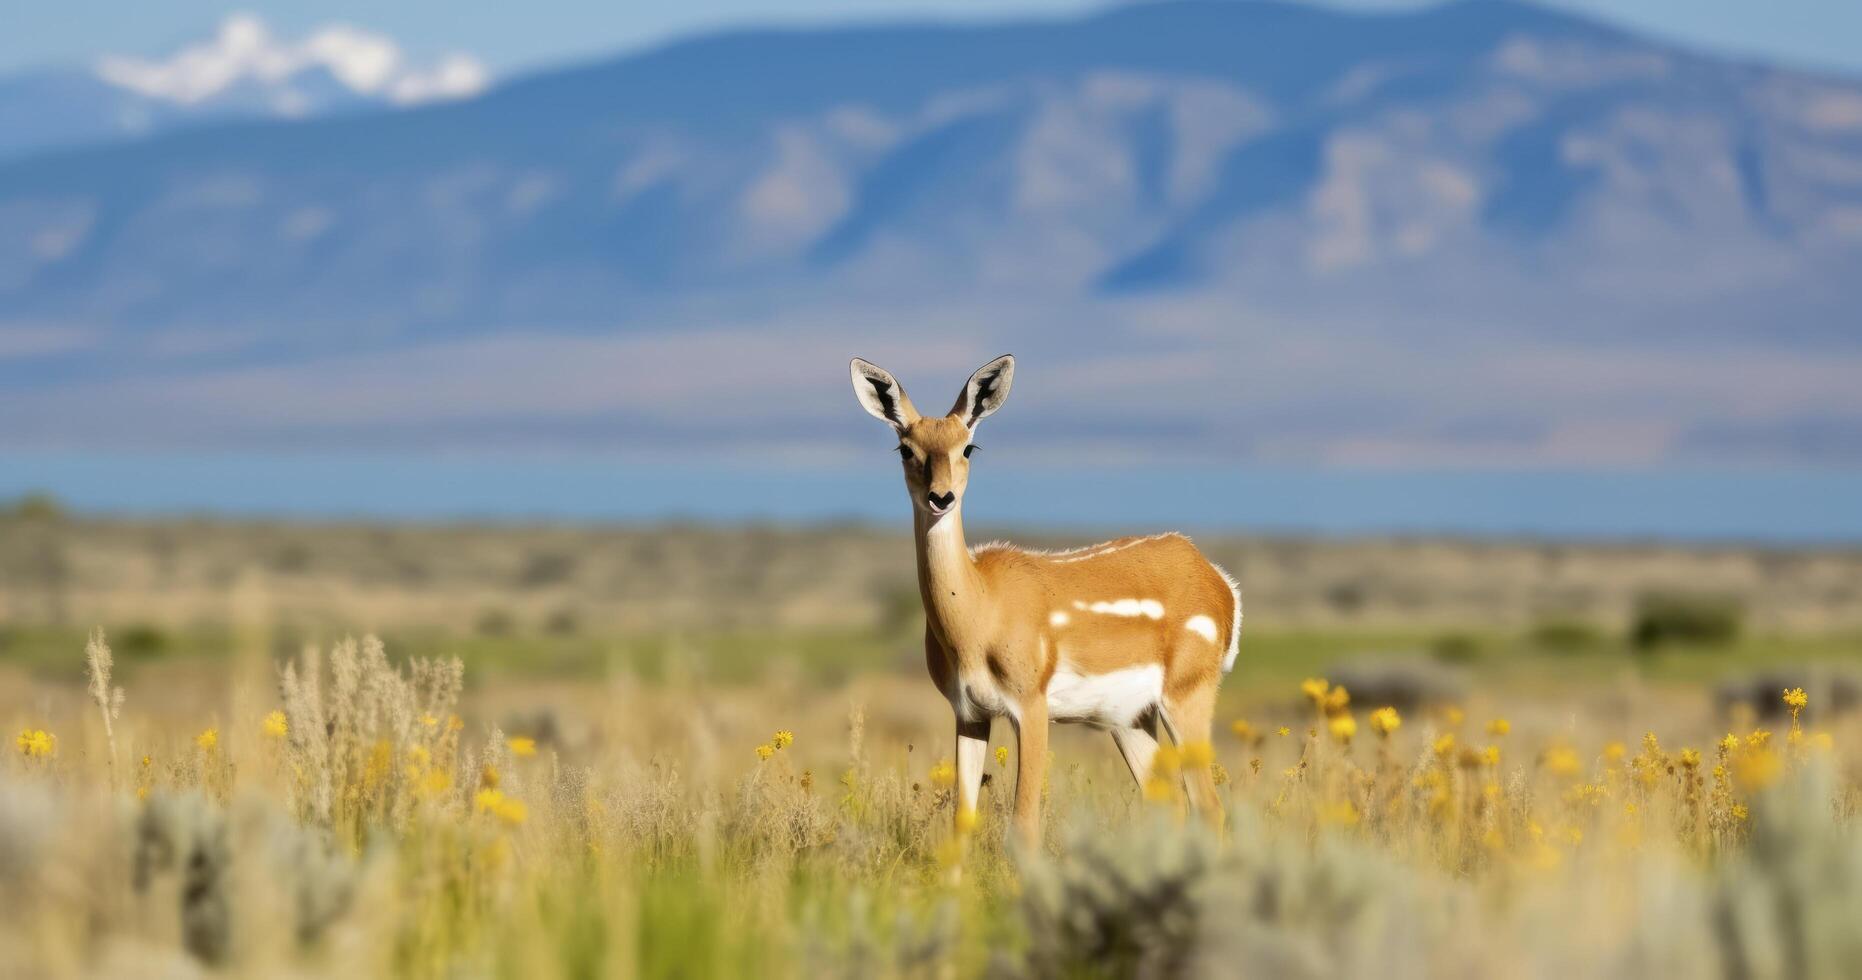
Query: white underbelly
(1113, 699)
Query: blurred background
(1480, 339)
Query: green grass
(1271, 661)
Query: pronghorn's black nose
(941, 501)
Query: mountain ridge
(1484, 182)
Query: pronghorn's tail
(1234, 622)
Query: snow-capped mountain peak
(245, 54)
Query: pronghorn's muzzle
(940, 502)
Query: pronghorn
(1120, 635)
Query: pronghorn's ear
(987, 390)
(882, 395)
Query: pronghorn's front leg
(972, 736)
(1030, 766)
(972, 751)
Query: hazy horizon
(1781, 506)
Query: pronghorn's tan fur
(1122, 635)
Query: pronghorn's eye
(905, 453)
(967, 450)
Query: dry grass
(606, 579)
(350, 814)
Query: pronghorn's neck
(947, 577)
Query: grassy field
(365, 814)
(669, 794)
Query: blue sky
(1819, 33)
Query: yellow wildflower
(1690, 759)
(1002, 755)
(1758, 738)
(943, 775)
(505, 808)
(36, 743)
(454, 723)
(427, 720)
(1242, 729)
(433, 783)
(208, 740)
(1315, 688)
(1561, 761)
(1218, 774)
(1454, 716)
(1166, 761)
(1337, 699)
(1491, 755)
(1730, 743)
(1385, 720)
(1157, 789)
(764, 751)
(1283, 731)
(1757, 770)
(783, 739)
(1343, 727)
(522, 746)
(275, 725)
(1499, 726)
(1198, 755)
(1340, 813)
(1613, 752)
(1445, 744)
(966, 819)
(1795, 698)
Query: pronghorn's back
(1124, 603)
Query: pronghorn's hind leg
(1190, 716)
(1138, 744)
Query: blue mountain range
(1482, 178)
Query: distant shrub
(1565, 636)
(1345, 598)
(291, 558)
(1666, 618)
(1457, 648)
(141, 640)
(495, 622)
(38, 506)
(1402, 681)
(563, 622)
(544, 568)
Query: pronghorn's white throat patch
(1113, 699)
(1148, 608)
